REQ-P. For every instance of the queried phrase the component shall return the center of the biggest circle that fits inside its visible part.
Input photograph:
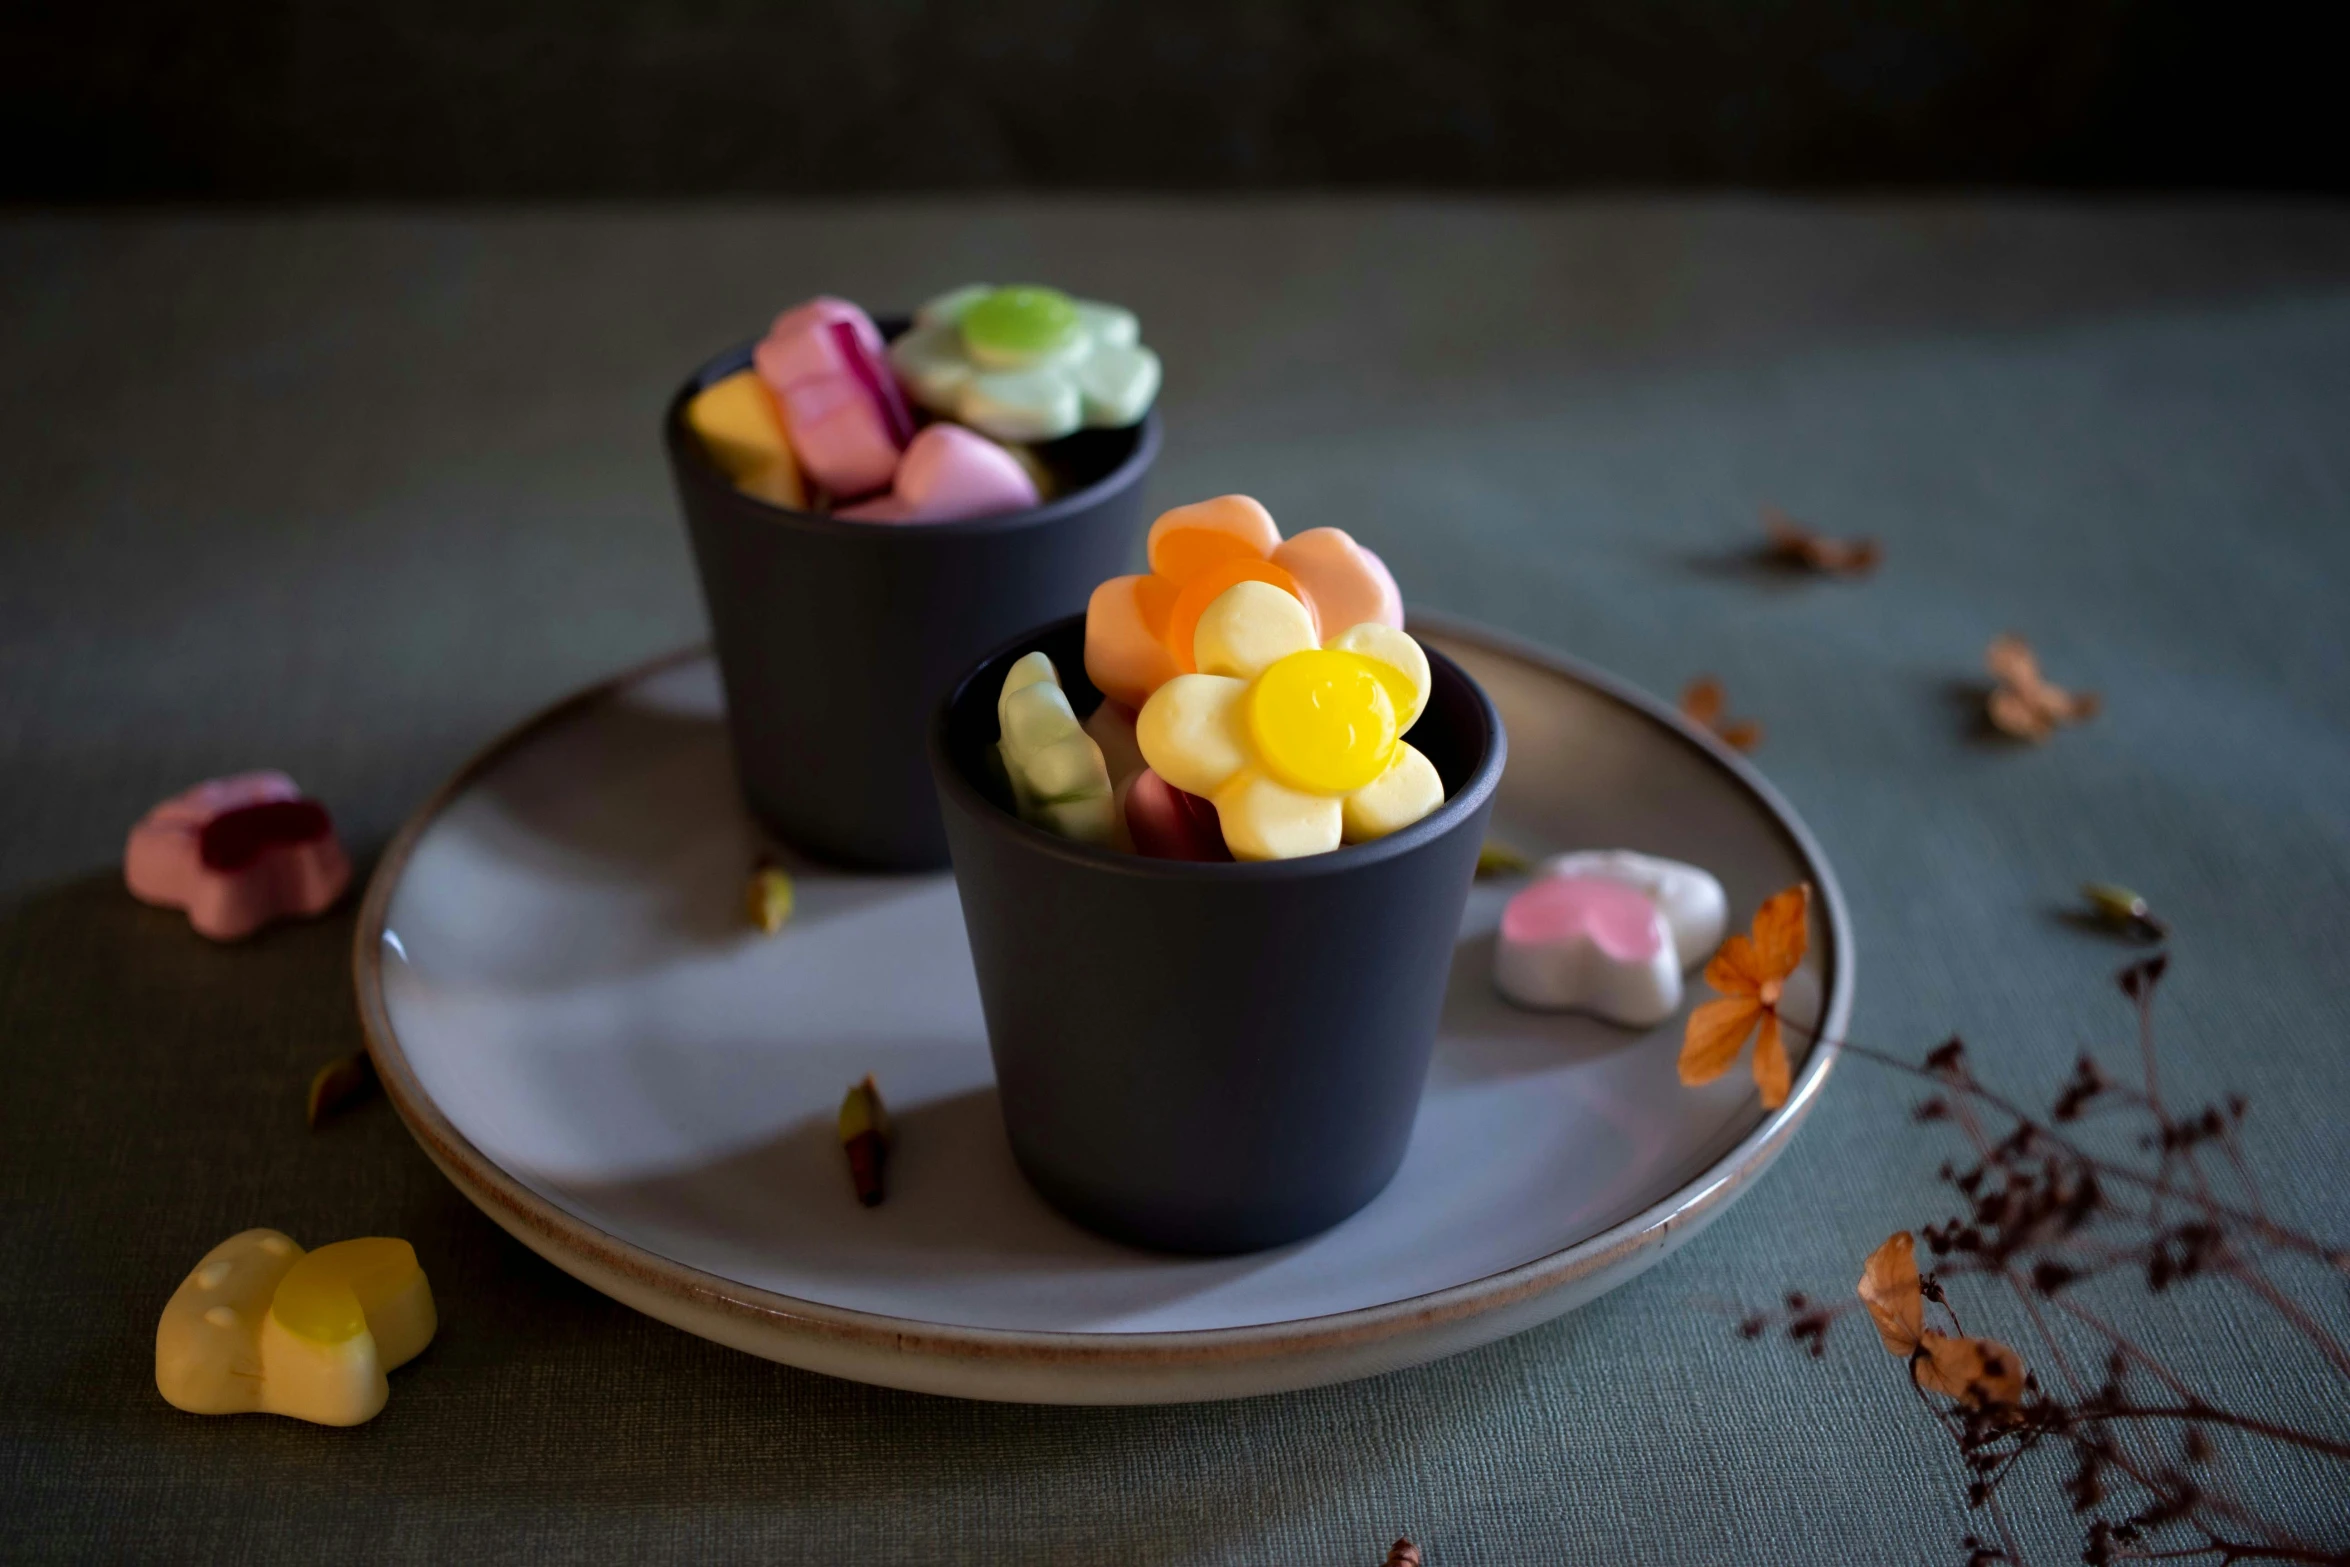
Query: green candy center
(1014, 326)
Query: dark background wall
(505, 98)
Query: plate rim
(519, 1209)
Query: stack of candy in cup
(1256, 696)
(942, 424)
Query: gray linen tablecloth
(349, 492)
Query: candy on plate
(1297, 741)
(237, 853)
(1696, 909)
(1027, 363)
(841, 408)
(740, 427)
(1059, 781)
(949, 474)
(1140, 631)
(261, 1325)
(1608, 932)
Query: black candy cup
(836, 639)
(1210, 1058)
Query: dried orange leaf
(1781, 931)
(1735, 969)
(338, 1085)
(1890, 1288)
(1977, 1371)
(1771, 1073)
(1793, 544)
(1715, 1033)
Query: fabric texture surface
(349, 493)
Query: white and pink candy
(1609, 932)
(237, 853)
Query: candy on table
(237, 853)
(1026, 363)
(948, 474)
(1297, 741)
(1696, 909)
(1167, 824)
(841, 408)
(261, 1325)
(1609, 932)
(742, 430)
(1140, 631)
(1059, 781)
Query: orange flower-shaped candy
(1138, 630)
(1751, 973)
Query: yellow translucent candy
(1323, 721)
(739, 427)
(262, 1325)
(1399, 661)
(342, 1317)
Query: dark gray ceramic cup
(836, 639)
(1210, 1058)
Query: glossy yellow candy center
(1324, 721)
(324, 1296)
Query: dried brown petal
(1403, 1553)
(767, 898)
(338, 1085)
(1977, 1371)
(1889, 1287)
(2025, 703)
(1793, 544)
(1702, 703)
(1497, 858)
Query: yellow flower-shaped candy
(1300, 746)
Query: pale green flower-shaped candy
(1059, 781)
(1026, 364)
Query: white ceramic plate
(572, 1018)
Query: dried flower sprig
(1789, 543)
(2048, 1216)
